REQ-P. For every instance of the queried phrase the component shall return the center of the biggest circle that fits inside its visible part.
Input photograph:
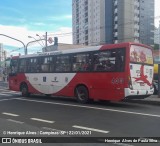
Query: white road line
(91, 129)
(8, 99)
(91, 107)
(3, 94)
(19, 122)
(10, 114)
(10, 93)
(46, 128)
(42, 120)
(14, 91)
(122, 144)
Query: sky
(23, 18)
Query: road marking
(91, 129)
(42, 120)
(8, 99)
(3, 94)
(10, 114)
(19, 122)
(91, 107)
(123, 144)
(47, 128)
(9, 92)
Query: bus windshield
(139, 54)
(13, 66)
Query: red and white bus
(108, 72)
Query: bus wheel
(24, 90)
(82, 94)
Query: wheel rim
(82, 94)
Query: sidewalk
(153, 99)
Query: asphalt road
(43, 116)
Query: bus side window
(81, 62)
(63, 63)
(96, 62)
(120, 60)
(45, 64)
(32, 65)
(104, 61)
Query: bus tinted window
(63, 63)
(32, 65)
(81, 62)
(22, 65)
(13, 65)
(120, 60)
(47, 64)
(104, 61)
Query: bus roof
(85, 49)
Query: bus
(112, 72)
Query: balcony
(115, 26)
(116, 11)
(115, 34)
(115, 3)
(136, 34)
(116, 18)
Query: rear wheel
(24, 90)
(82, 94)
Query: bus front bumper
(138, 93)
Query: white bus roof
(94, 48)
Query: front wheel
(82, 94)
(24, 90)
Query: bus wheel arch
(24, 89)
(82, 93)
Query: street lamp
(40, 38)
(36, 40)
(25, 51)
(32, 42)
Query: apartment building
(98, 22)
(157, 35)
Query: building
(157, 35)
(146, 27)
(98, 22)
